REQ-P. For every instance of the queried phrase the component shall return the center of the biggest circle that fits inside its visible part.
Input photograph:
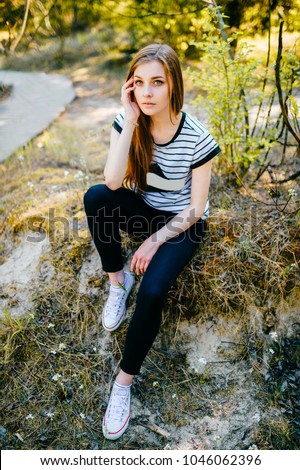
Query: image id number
(222, 460)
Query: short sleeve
(205, 149)
(119, 122)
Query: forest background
(230, 345)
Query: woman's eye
(155, 82)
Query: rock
(19, 275)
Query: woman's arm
(184, 219)
(116, 164)
(181, 222)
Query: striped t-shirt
(170, 175)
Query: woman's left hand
(143, 255)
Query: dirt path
(36, 100)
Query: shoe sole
(116, 435)
(117, 325)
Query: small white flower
(82, 415)
(50, 415)
(30, 416)
(51, 325)
(31, 315)
(30, 184)
(40, 145)
(217, 437)
(292, 193)
(79, 175)
(273, 335)
(21, 158)
(271, 351)
(66, 173)
(56, 377)
(80, 387)
(202, 360)
(61, 346)
(53, 352)
(256, 417)
(155, 384)
(174, 395)
(253, 447)
(74, 375)
(95, 349)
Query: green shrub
(237, 93)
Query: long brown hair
(141, 148)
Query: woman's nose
(147, 91)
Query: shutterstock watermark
(105, 226)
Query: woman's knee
(95, 197)
(152, 293)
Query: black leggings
(107, 212)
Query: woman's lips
(148, 104)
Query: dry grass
(57, 362)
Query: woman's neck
(166, 122)
(163, 130)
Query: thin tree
(21, 33)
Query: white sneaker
(117, 414)
(114, 310)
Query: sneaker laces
(118, 404)
(115, 297)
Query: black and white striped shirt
(170, 175)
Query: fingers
(130, 81)
(128, 100)
(140, 269)
(127, 88)
(143, 256)
(139, 265)
(132, 264)
(145, 266)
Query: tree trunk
(21, 33)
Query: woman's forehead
(151, 69)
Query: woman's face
(152, 89)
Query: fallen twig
(153, 427)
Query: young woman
(157, 179)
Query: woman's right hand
(132, 110)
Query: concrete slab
(37, 99)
